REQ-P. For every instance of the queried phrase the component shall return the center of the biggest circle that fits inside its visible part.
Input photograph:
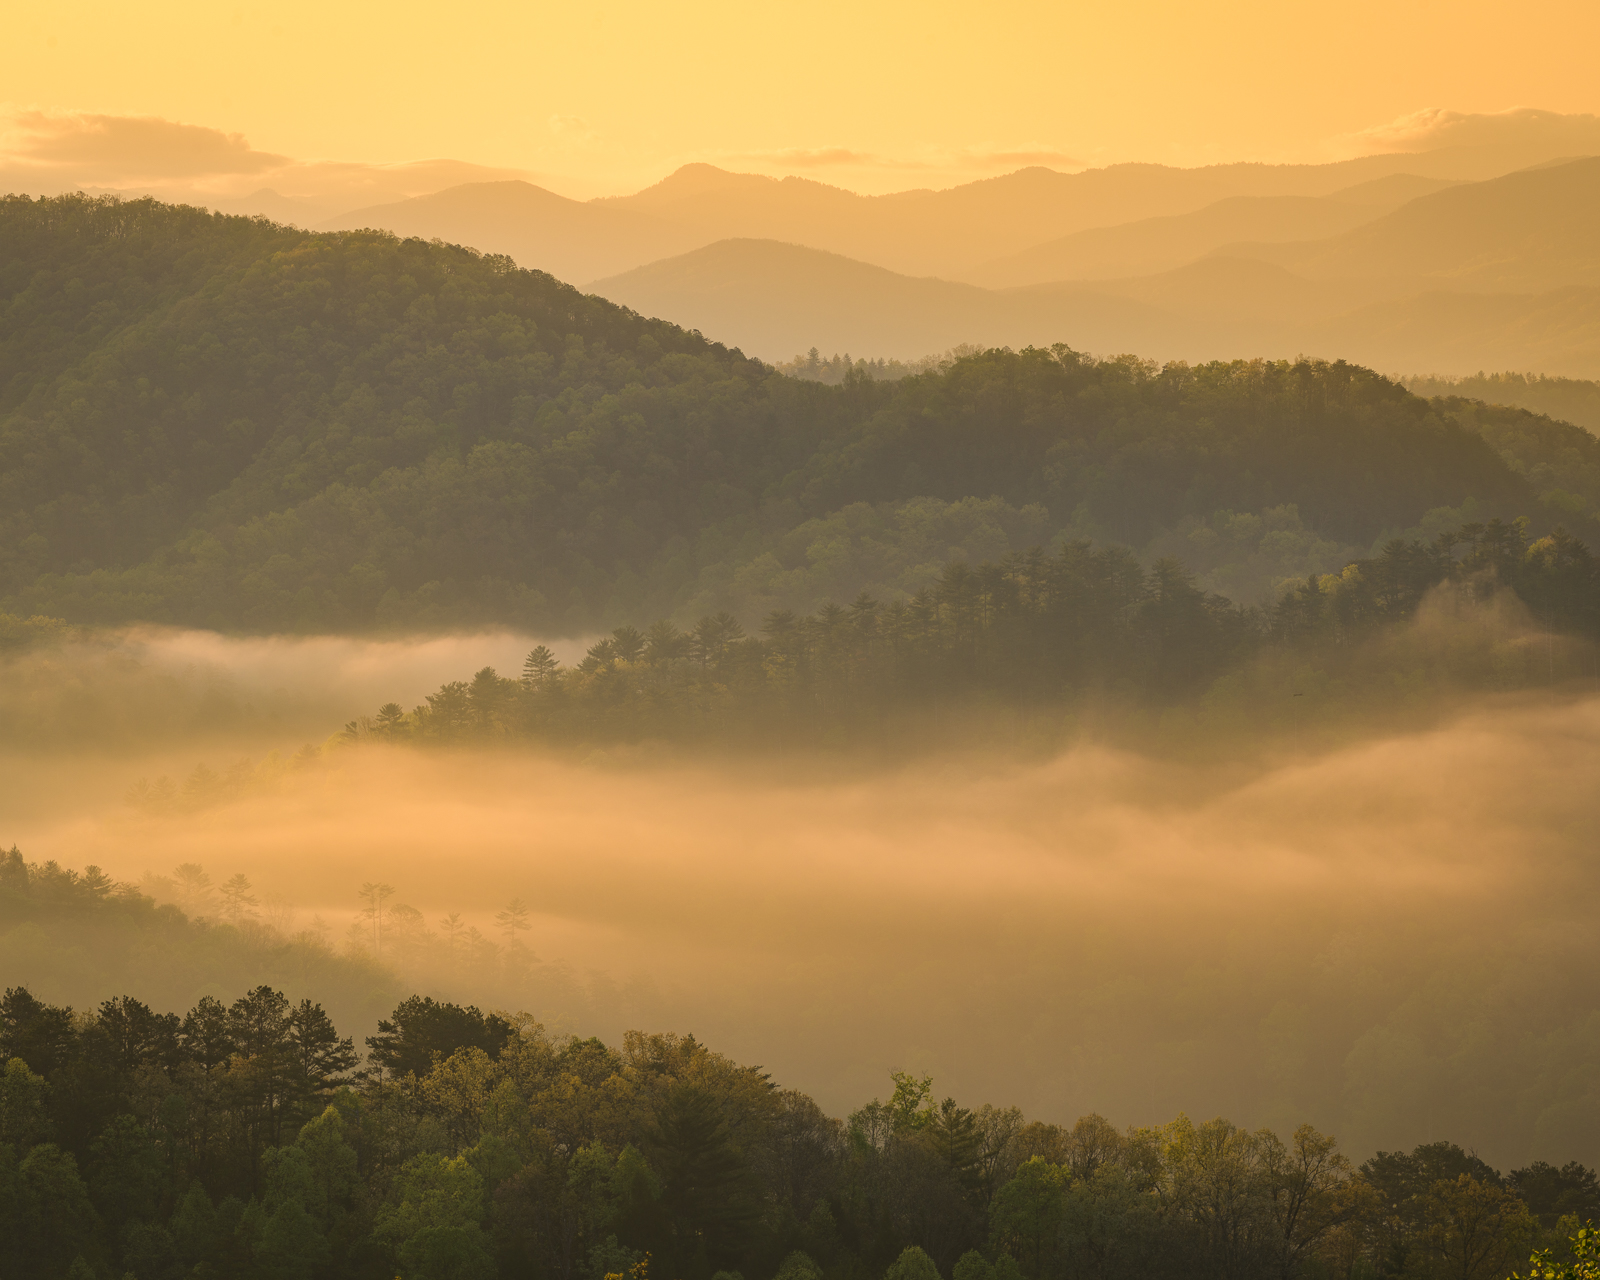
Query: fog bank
(1391, 940)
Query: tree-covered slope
(276, 422)
(1570, 399)
(224, 422)
(78, 936)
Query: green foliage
(972, 1265)
(330, 1164)
(421, 1029)
(126, 1171)
(188, 398)
(20, 634)
(1583, 1264)
(433, 1191)
(797, 1266)
(46, 1218)
(292, 1246)
(23, 1120)
(912, 1264)
(1553, 1194)
(706, 1180)
(435, 1224)
(1025, 1219)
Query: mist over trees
(63, 930)
(1033, 632)
(1569, 399)
(834, 369)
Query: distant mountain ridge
(1159, 244)
(1523, 249)
(1171, 263)
(1533, 230)
(947, 233)
(573, 240)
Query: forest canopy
(225, 422)
(248, 1138)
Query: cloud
(571, 128)
(44, 152)
(1540, 134)
(111, 149)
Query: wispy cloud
(1521, 128)
(572, 130)
(43, 152)
(129, 148)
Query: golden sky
(870, 96)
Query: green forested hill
(225, 422)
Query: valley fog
(130, 690)
(1390, 938)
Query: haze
(876, 99)
(589, 592)
(1301, 927)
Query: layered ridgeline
(1401, 273)
(224, 422)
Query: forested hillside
(1570, 399)
(224, 422)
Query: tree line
(249, 1139)
(834, 369)
(1038, 628)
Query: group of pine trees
(1038, 628)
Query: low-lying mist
(1389, 936)
(138, 688)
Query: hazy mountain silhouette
(1159, 244)
(1525, 244)
(951, 232)
(773, 299)
(1452, 332)
(1341, 259)
(946, 233)
(1533, 230)
(571, 239)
